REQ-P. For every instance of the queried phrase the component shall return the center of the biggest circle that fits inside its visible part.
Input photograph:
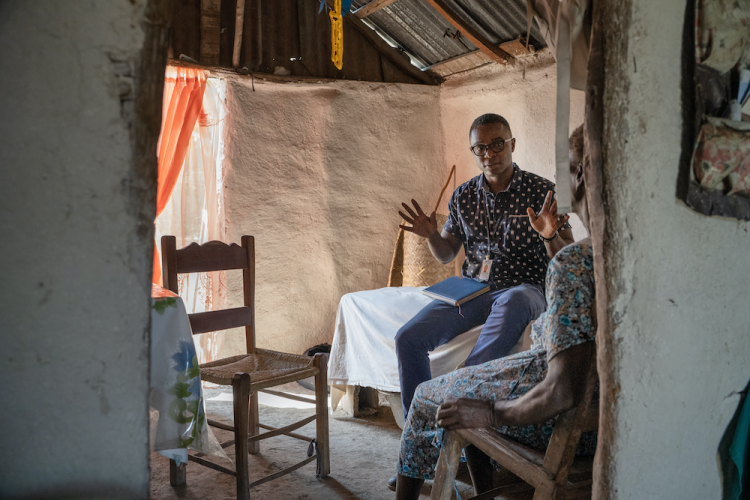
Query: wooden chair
(248, 373)
(554, 474)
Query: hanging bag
(566, 27)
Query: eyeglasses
(497, 147)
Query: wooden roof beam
(493, 51)
(370, 7)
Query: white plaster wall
(526, 101)
(682, 321)
(318, 172)
(74, 310)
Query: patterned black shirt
(518, 254)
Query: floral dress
(568, 321)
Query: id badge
(484, 273)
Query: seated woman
(518, 395)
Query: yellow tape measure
(337, 35)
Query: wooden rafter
(371, 7)
(493, 51)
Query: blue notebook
(455, 290)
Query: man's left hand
(548, 222)
(464, 413)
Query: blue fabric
(518, 254)
(505, 314)
(738, 451)
(346, 5)
(733, 455)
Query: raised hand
(465, 413)
(548, 221)
(421, 224)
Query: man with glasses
(507, 222)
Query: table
(178, 415)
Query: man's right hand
(421, 224)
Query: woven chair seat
(266, 368)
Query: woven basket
(413, 264)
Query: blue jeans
(505, 314)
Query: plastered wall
(74, 292)
(677, 280)
(318, 172)
(526, 99)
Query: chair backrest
(214, 256)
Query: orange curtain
(183, 99)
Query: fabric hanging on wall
(566, 26)
(195, 212)
(547, 14)
(722, 34)
(182, 103)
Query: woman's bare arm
(560, 391)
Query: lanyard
(489, 222)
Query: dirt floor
(363, 458)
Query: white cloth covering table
(363, 352)
(177, 412)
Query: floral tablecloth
(178, 417)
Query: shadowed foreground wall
(76, 212)
(677, 280)
(318, 172)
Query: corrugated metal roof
(500, 21)
(418, 28)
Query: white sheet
(364, 350)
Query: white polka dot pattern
(517, 252)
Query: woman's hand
(465, 413)
(548, 222)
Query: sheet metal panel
(419, 29)
(502, 21)
(186, 29)
(280, 34)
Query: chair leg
(241, 389)
(177, 473)
(254, 423)
(320, 361)
(450, 455)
